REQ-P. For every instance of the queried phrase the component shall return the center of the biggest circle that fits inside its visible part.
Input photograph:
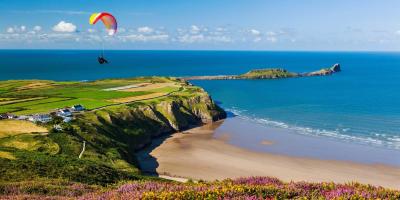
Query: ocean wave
(343, 134)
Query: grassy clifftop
(123, 116)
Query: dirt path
(83, 149)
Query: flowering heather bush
(253, 188)
(45, 189)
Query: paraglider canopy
(111, 25)
(109, 21)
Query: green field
(36, 96)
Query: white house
(44, 118)
(64, 112)
(23, 117)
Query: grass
(6, 99)
(31, 142)
(36, 96)
(139, 98)
(48, 107)
(37, 165)
(14, 100)
(15, 127)
(7, 155)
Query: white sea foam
(375, 139)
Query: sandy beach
(198, 155)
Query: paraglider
(102, 60)
(111, 25)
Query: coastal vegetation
(242, 188)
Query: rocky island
(272, 73)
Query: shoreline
(252, 135)
(197, 154)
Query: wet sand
(198, 154)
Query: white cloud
(191, 38)
(145, 29)
(10, 30)
(37, 28)
(16, 29)
(195, 29)
(66, 27)
(94, 38)
(220, 39)
(180, 30)
(201, 38)
(145, 38)
(257, 39)
(255, 32)
(191, 35)
(271, 34)
(272, 37)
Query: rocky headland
(271, 73)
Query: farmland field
(16, 127)
(37, 96)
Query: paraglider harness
(102, 60)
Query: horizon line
(221, 50)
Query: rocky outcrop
(324, 72)
(268, 74)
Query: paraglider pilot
(102, 60)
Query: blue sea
(359, 105)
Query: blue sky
(340, 25)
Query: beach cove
(204, 153)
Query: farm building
(78, 108)
(64, 112)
